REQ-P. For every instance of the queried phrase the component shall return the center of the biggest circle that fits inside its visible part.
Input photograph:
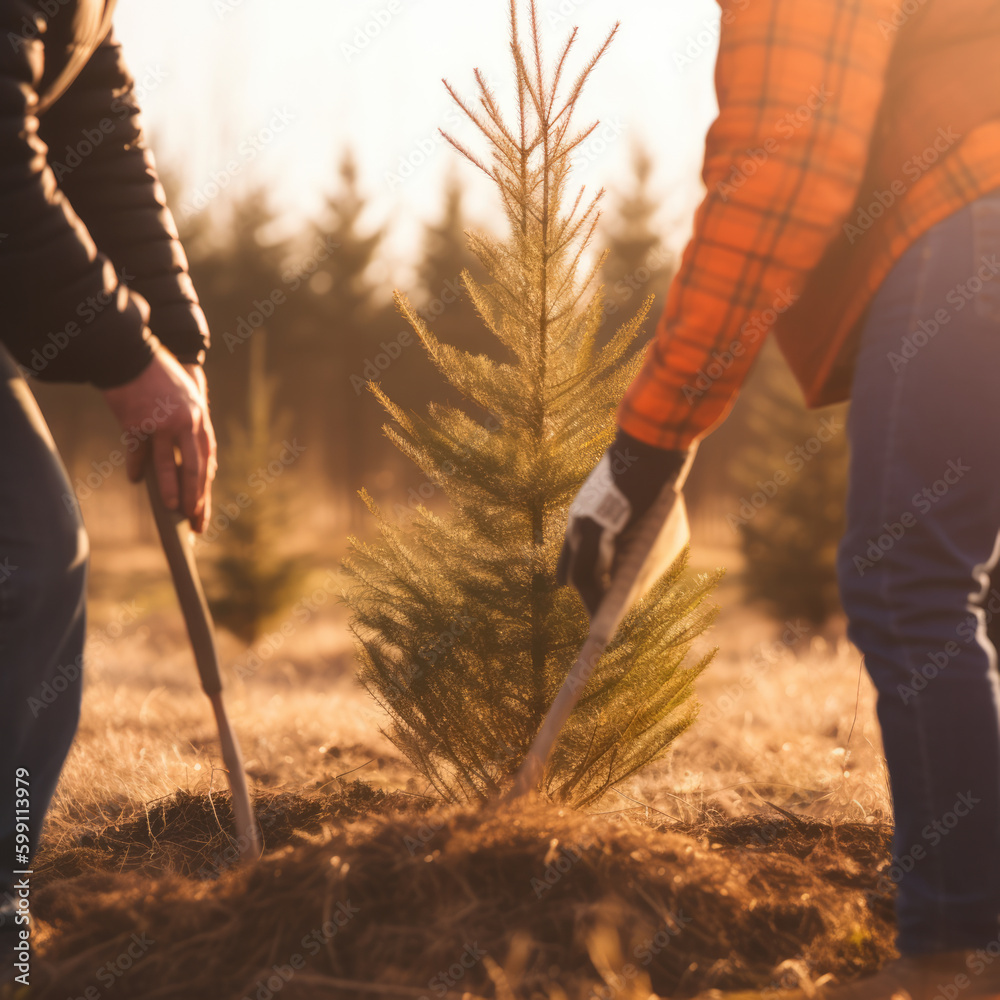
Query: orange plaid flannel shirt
(811, 194)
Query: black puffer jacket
(86, 239)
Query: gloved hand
(623, 486)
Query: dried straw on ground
(533, 903)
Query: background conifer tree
(790, 538)
(253, 577)
(342, 322)
(446, 255)
(463, 636)
(445, 306)
(638, 265)
(342, 281)
(234, 269)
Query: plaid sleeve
(799, 84)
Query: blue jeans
(43, 570)
(922, 539)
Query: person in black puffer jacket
(94, 288)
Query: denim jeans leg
(914, 569)
(43, 570)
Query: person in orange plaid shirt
(853, 211)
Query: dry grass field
(748, 858)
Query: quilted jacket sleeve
(98, 158)
(65, 316)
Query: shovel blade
(647, 552)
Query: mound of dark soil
(534, 902)
(186, 834)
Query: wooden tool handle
(248, 841)
(647, 551)
(175, 532)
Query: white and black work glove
(623, 486)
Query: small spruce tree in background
(338, 326)
(233, 265)
(446, 255)
(252, 577)
(793, 474)
(638, 265)
(442, 302)
(464, 637)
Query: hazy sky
(251, 91)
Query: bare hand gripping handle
(175, 532)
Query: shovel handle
(649, 548)
(175, 534)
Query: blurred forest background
(299, 327)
